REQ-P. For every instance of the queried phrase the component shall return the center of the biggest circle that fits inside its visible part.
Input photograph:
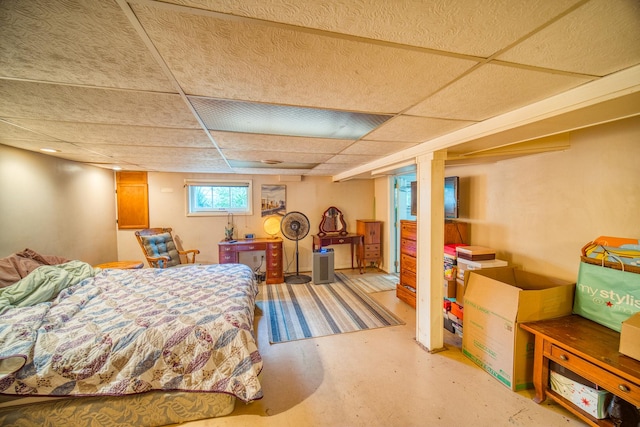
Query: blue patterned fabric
(131, 331)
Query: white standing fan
(295, 226)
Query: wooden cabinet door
(133, 200)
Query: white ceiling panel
(257, 156)
(600, 37)
(494, 89)
(286, 144)
(415, 129)
(40, 42)
(20, 99)
(93, 133)
(378, 148)
(9, 132)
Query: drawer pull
(564, 357)
(624, 388)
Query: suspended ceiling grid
(306, 88)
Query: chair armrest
(154, 261)
(192, 252)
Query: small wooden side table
(124, 265)
(588, 349)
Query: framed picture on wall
(274, 200)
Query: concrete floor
(381, 377)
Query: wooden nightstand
(124, 265)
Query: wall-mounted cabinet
(133, 200)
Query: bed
(86, 346)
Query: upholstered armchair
(160, 250)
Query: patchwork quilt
(117, 332)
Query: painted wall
(56, 207)
(538, 211)
(311, 196)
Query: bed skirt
(156, 408)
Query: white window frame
(189, 183)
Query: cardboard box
(464, 265)
(498, 299)
(450, 288)
(475, 253)
(630, 337)
(591, 400)
(457, 310)
(467, 267)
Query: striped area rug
(300, 311)
(369, 282)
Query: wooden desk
(588, 349)
(125, 265)
(228, 253)
(335, 239)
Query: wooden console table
(588, 349)
(228, 253)
(352, 239)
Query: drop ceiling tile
(79, 42)
(493, 89)
(287, 144)
(415, 129)
(19, 99)
(598, 38)
(92, 133)
(65, 150)
(352, 159)
(472, 27)
(189, 165)
(254, 171)
(233, 59)
(257, 156)
(138, 154)
(378, 148)
(9, 131)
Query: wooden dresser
(406, 289)
(588, 349)
(228, 253)
(372, 232)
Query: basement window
(219, 197)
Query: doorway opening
(402, 210)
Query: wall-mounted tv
(451, 197)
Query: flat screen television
(450, 197)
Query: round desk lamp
(271, 225)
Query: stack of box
(450, 269)
(453, 313)
(473, 258)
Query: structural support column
(430, 257)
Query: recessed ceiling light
(271, 162)
(49, 150)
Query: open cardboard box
(630, 337)
(495, 302)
